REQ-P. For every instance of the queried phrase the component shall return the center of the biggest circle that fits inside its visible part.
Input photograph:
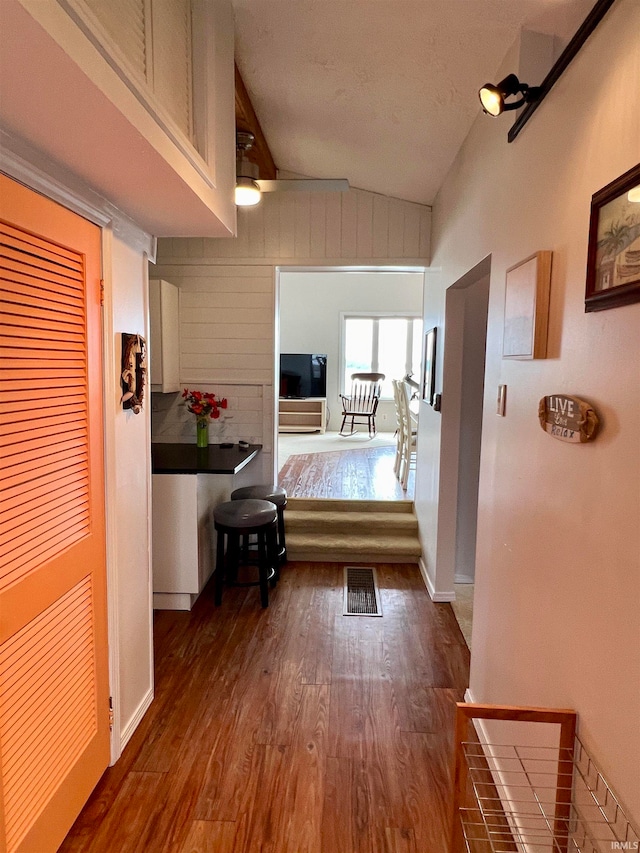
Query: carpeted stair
(323, 529)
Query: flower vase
(202, 432)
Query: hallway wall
(558, 549)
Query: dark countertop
(189, 459)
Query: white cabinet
(164, 336)
(306, 415)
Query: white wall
(558, 552)
(310, 307)
(128, 478)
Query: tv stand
(308, 414)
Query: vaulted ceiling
(382, 92)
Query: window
(381, 344)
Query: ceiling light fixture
(247, 190)
(493, 97)
(634, 194)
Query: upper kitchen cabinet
(164, 336)
(135, 97)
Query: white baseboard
(435, 596)
(173, 600)
(134, 722)
(463, 579)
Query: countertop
(189, 459)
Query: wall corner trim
(127, 732)
(435, 596)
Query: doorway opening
(466, 311)
(346, 320)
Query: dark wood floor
(349, 475)
(293, 729)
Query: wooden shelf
(304, 415)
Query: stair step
(328, 545)
(328, 529)
(381, 522)
(337, 505)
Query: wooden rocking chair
(362, 403)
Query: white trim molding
(438, 597)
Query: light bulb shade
(634, 194)
(493, 97)
(247, 192)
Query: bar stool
(278, 496)
(234, 519)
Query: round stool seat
(267, 492)
(245, 514)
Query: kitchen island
(187, 483)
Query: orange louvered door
(54, 719)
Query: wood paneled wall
(227, 290)
(318, 228)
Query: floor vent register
(361, 594)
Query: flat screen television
(303, 375)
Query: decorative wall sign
(134, 371)
(613, 262)
(526, 307)
(568, 418)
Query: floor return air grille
(361, 594)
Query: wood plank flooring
(293, 729)
(349, 475)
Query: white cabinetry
(164, 343)
(307, 415)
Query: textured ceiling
(382, 92)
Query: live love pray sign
(568, 418)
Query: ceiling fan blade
(304, 185)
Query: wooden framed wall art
(613, 260)
(526, 307)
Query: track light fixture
(247, 190)
(493, 97)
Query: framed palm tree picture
(613, 261)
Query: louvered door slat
(61, 652)
(55, 485)
(14, 285)
(29, 700)
(21, 464)
(12, 343)
(56, 497)
(20, 535)
(24, 305)
(24, 239)
(15, 434)
(49, 335)
(26, 263)
(53, 411)
(27, 494)
(123, 21)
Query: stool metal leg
(281, 538)
(263, 568)
(219, 579)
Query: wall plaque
(568, 418)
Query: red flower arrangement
(202, 404)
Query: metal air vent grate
(361, 595)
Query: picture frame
(526, 307)
(613, 256)
(429, 366)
